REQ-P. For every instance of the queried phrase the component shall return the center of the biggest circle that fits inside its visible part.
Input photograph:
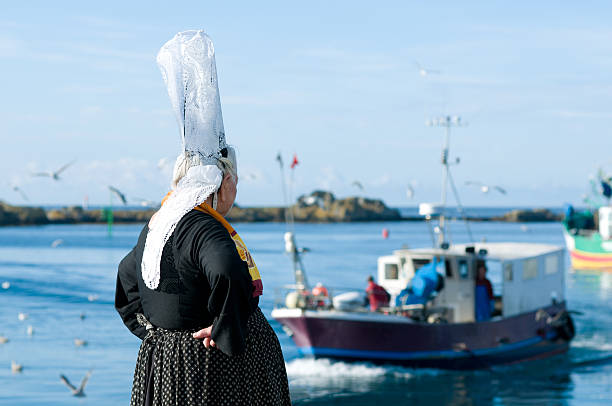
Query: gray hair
(189, 159)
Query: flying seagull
(162, 163)
(357, 184)
(120, 195)
(54, 175)
(424, 71)
(409, 192)
(21, 192)
(486, 188)
(80, 391)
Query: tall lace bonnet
(187, 64)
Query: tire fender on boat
(563, 324)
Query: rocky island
(316, 207)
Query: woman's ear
(225, 184)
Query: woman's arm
(127, 297)
(231, 289)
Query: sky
(336, 83)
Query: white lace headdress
(187, 64)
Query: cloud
(91, 111)
(330, 177)
(345, 61)
(109, 52)
(580, 114)
(270, 99)
(383, 180)
(10, 47)
(89, 89)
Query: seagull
(424, 72)
(30, 330)
(6, 285)
(79, 342)
(57, 243)
(54, 175)
(22, 316)
(80, 391)
(16, 368)
(409, 192)
(21, 192)
(119, 194)
(485, 188)
(92, 298)
(4, 340)
(162, 163)
(357, 184)
(250, 177)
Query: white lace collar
(195, 187)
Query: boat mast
(447, 122)
(290, 244)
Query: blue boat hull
(393, 340)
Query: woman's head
(226, 194)
(227, 164)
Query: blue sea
(67, 293)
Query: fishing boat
(435, 317)
(590, 247)
(588, 233)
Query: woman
(189, 288)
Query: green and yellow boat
(588, 236)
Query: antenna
(447, 122)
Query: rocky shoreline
(317, 207)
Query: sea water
(67, 293)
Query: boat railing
(299, 296)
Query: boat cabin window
(391, 271)
(530, 268)
(463, 269)
(419, 263)
(448, 268)
(508, 274)
(551, 264)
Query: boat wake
(594, 342)
(326, 370)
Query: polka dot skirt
(173, 368)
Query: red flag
(295, 161)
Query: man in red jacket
(377, 295)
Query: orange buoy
(385, 233)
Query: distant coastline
(317, 207)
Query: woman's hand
(205, 333)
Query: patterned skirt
(173, 368)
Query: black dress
(203, 281)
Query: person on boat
(484, 293)
(320, 295)
(190, 288)
(376, 295)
